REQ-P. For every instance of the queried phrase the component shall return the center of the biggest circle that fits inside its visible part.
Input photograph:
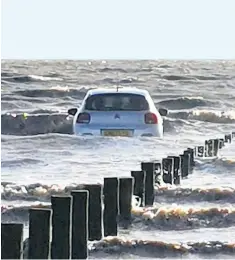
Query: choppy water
(40, 157)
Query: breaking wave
(182, 217)
(36, 124)
(14, 78)
(44, 123)
(42, 192)
(47, 121)
(54, 92)
(157, 217)
(190, 77)
(185, 103)
(222, 117)
(121, 248)
(173, 195)
(116, 245)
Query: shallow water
(40, 157)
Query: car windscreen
(116, 101)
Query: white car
(118, 111)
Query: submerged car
(118, 111)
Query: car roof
(127, 90)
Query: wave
(162, 218)
(185, 103)
(109, 69)
(117, 246)
(190, 77)
(42, 192)
(19, 162)
(178, 217)
(47, 121)
(36, 124)
(54, 92)
(220, 165)
(14, 78)
(172, 195)
(177, 77)
(44, 123)
(120, 81)
(18, 98)
(222, 117)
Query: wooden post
(167, 170)
(11, 240)
(157, 171)
(233, 134)
(184, 158)
(192, 153)
(190, 160)
(79, 224)
(61, 227)
(221, 143)
(39, 233)
(216, 146)
(200, 151)
(176, 169)
(95, 219)
(209, 147)
(228, 138)
(139, 185)
(125, 198)
(149, 168)
(110, 214)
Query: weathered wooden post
(233, 134)
(189, 158)
(139, 185)
(11, 240)
(149, 168)
(221, 143)
(228, 138)
(79, 224)
(209, 147)
(200, 151)
(125, 199)
(192, 153)
(61, 227)
(39, 233)
(185, 166)
(158, 171)
(176, 169)
(216, 146)
(111, 206)
(95, 219)
(167, 170)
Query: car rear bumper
(150, 130)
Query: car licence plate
(116, 133)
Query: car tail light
(83, 118)
(150, 118)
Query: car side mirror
(72, 111)
(162, 111)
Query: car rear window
(116, 101)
